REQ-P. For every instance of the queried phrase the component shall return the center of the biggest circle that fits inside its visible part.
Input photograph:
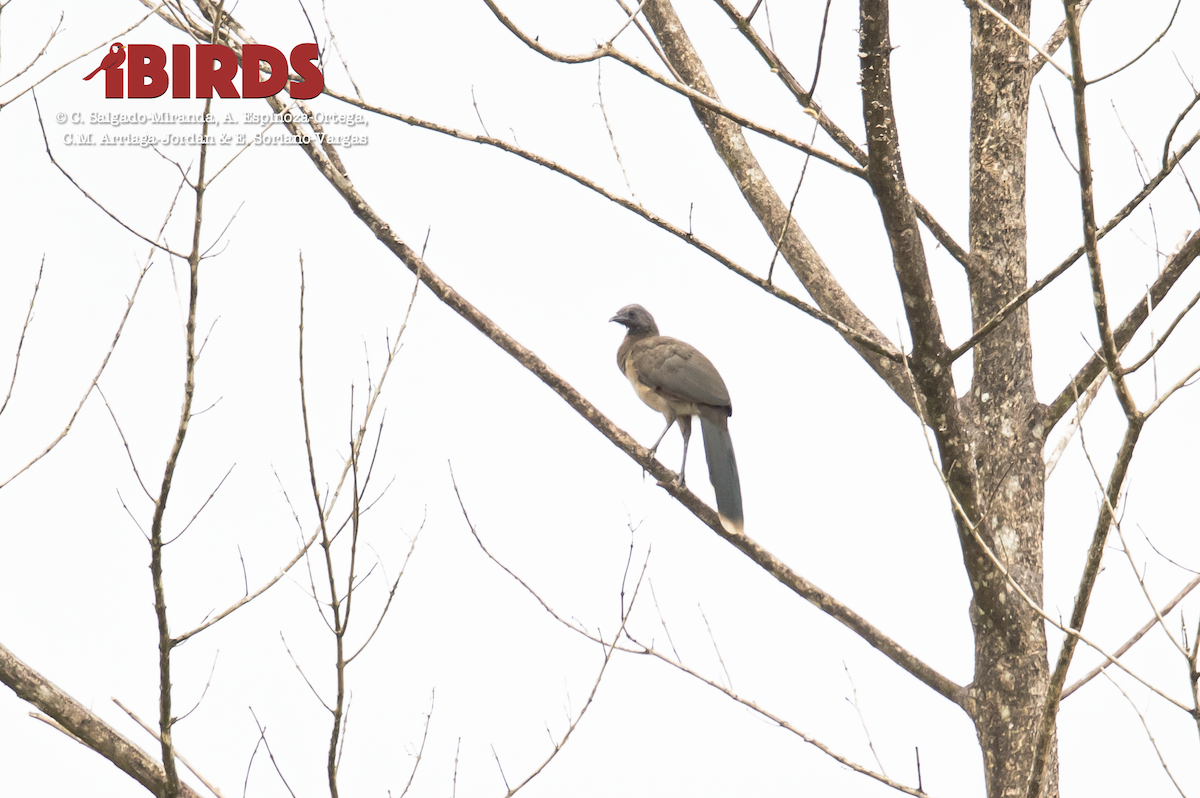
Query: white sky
(836, 478)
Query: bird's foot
(677, 482)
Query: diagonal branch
(810, 105)
(1020, 299)
(1055, 41)
(1128, 644)
(1123, 333)
(666, 479)
(687, 88)
(318, 153)
(772, 211)
(885, 349)
(85, 726)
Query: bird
(115, 57)
(678, 381)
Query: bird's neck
(627, 344)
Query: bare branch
(1184, 382)
(783, 724)
(36, 58)
(1082, 404)
(810, 105)
(202, 506)
(885, 172)
(85, 726)
(420, 751)
(609, 649)
(666, 478)
(262, 735)
(1149, 734)
(302, 674)
(613, 139)
(1163, 339)
(101, 45)
(96, 202)
(1163, 284)
(150, 730)
(1130, 63)
(881, 347)
(92, 384)
(1056, 40)
(1173, 269)
(342, 58)
(863, 720)
(129, 453)
(1128, 644)
(1054, 129)
(706, 99)
(21, 341)
(1125, 548)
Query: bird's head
(636, 319)
(117, 47)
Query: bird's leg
(670, 421)
(685, 426)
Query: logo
(214, 66)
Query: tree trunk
(1011, 667)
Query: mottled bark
(85, 726)
(1011, 668)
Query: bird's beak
(619, 319)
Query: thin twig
(150, 730)
(478, 115)
(716, 648)
(94, 201)
(1137, 58)
(333, 38)
(262, 735)
(420, 751)
(1125, 546)
(91, 385)
(779, 721)
(863, 720)
(133, 464)
(302, 674)
(630, 19)
(1149, 734)
(24, 328)
(611, 137)
(1054, 129)
(202, 506)
(203, 692)
(1082, 403)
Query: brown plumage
(678, 381)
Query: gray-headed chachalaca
(679, 382)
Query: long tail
(723, 472)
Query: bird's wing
(679, 370)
